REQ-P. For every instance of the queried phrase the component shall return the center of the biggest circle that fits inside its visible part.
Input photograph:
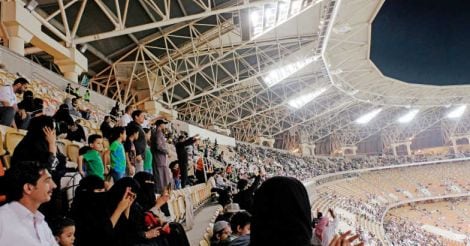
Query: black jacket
(181, 151)
(244, 198)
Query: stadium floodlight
(300, 101)
(270, 16)
(457, 112)
(408, 116)
(256, 18)
(368, 117)
(279, 74)
(31, 5)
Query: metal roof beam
(170, 21)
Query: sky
(423, 41)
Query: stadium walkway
(201, 221)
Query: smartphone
(168, 188)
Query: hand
(163, 199)
(50, 135)
(341, 240)
(131, 170)
(22, 114)
(153, 233)
(126, 200)
(138, 158)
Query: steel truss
(202, 65)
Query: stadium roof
(237, 64)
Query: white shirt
(19, 226)
(7, 94)
(125, 119)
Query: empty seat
(73, 151)
(12, 138)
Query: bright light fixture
(457, 112)
(256, 17)
(296, 6)
(279, 74)
(368, 117)
(408, 116)
(300, 101)
(31, 5)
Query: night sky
(423, 41)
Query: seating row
(206, 239)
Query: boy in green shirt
(117, 153)
(92, 158)
(148, 154)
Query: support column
(72, 67)
(394, 149)
(22, 27)
(454, 145)
(16, 44)
(304, 149)
(408, 148)
(270, 142)
(312, 148)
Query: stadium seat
(12, 138)
(72, 151)
(62, 145)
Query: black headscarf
(146, 193)
(117, 191)
(85, 195)
(281, 214)
(34, 146)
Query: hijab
(116, 193)
(86, 197)
(281, 213)
(146, 193)
(34, 146)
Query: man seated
(29, 184)
(8, 102)
(240, 225)
(222, 233)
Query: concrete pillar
(22, 27)
(454, 145)
(408, 148)
(16, 44)
(305, 149)
(394, 149)
(72, 67)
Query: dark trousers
(184, 173)
(7, 114)
(200, 176)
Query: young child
(175, 170)
(132, 135)
(92, 158)
(117, 154)
(148, 153)
(63, 230)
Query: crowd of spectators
(408, 233)
(115, 202)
